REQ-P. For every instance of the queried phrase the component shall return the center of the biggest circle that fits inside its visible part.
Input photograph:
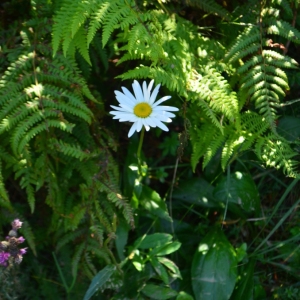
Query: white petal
(138, 91)
(146, 125)
(123, 99)
(126, 108)
(161, 125)
(146, 92)
(161, 100)
(128, 94)
(132, 130)
(163, 118)
(165, 113)
(166, 108)
(139, 125)
(150, 122)
(150, 86)
(124, 115)
(154, 94)
(121, 108)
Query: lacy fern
(50, 149)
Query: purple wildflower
(16, 224)
(4, 256)
(20, 240)
(23, 251)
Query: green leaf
(171, 266)
(184, 296)
(151, 201)
(196, 191)
(244, 289)
(214, 267)
(166, 249)
(241, 252)
(99, 280)
(153, 240)
(289, 128)
(121, 238)
(239, 189)
(158, 292)
(160, 269)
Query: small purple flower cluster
(9, 251)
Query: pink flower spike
(20, 240)
(4, 256)
(23, 251)
(16, 224)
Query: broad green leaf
(214, 267)
(99, 280)
(289, 128)
(244, 289)
(239, 189)
(196, 191)
(158, 292)
(160, 269)
(152, 202)
(170, 265)
(184, 296)
(166, 249)
(153, 240)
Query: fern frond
(247, 41)
(284, 29)
(97, 19)
(68, 149)
(210, 6)
(4, 199)
(277, 153)
(76, 257)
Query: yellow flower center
(142, 110)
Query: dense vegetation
(207, 210)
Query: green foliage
(232, 68)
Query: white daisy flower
(142, 109)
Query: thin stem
(139, 150)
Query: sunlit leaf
(244, 289)
(196, 191)
(160, 269)
(239, 189)
(166, 249)
(153, 240)
(214, 267)
(99, 280)
(152, 202)
(158, 292)
(170, 265)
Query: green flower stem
(139, 150)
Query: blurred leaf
(289, 128)
(153, 240)
(151, 201)
(184, 296)
(169, 144)
(121, 238)
(259, 293)
(99, 280)
(241, 190)
(160, 269)
(245, 287)
(241, 252)
(158, 292)
(196, 191)
(166, 249)
(214, 267)
(170, 265)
